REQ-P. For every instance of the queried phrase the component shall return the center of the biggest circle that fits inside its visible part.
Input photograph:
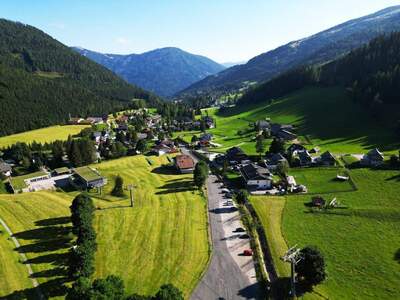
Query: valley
(165, 175)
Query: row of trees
(112, 287)
(82, 255)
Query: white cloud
(122, 40)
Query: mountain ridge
(163, 71)
(318, 48)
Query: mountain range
(319, 48)
(164, 71)
(42, 81)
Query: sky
(223, 30)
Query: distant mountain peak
(163, 71)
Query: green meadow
(162, 239)
(360, 241)
(324, 117)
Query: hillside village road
(230, 275)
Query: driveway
(230, 275)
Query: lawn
(321, 180)
(162, 239)
(42, 135)
(359, 243)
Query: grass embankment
(359, 242)
(324, 117)
(162, 239)
(42, 135)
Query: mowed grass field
(360, 242)
(163, 239)
(324, 117)
(42, 135)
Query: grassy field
(307, 109)
(359, 243)
(16, 278)
(43, 135)
(162, 239)
(321, 180)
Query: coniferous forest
(42, 82)
(371, 74)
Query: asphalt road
(229, 275)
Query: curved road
(230, 275)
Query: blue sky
(224, 30)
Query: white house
(256, 178)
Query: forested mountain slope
(371, 75)
(321, 47)
(163, 71)
(43, 81)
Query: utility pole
(130, 188)
(293, 256)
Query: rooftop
(184, 162)
(87, 173)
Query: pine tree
(118, 190)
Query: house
(184, 163)
(209, 122)
(5, 168)
(95, 120)
(262, 125)
(205, 139)
(294, 148)
(256, 177)
(236, 154)
(286, 135)
(274, 160)
(61, 171)
(276, 128)
(164, 147)
(88, 178)
(327, 159)
(304, 158)
(373, 158)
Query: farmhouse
(164, 147)
(184, 163)
(205, 139)
(235, 154)
(373, 158)
(304, 158)
(294, 148)
(88, 178)
(256, 178)
(327, 159)
(274, 160)
(5, 168)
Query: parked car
(225, 190)
(248, 252)
(240, 229)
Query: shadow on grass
(165, 170)
(397, 256)
(52, 238)
(393, 178)
(174, 186)
(52, 288)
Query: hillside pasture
(324, 117)
(162, 239)
(43, 135)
